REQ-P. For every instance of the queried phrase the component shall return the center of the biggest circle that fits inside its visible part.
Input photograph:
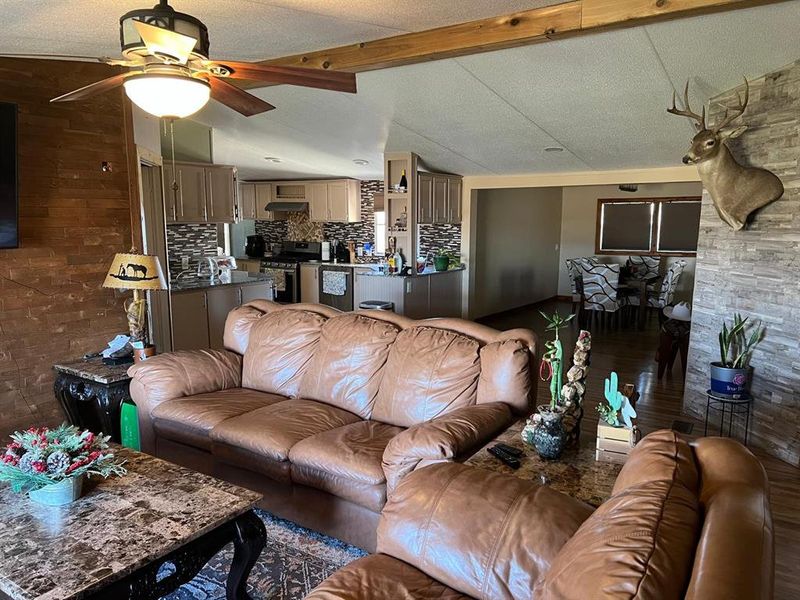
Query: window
(380, 232)
(651, 226)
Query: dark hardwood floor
(631, 354)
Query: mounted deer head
(736, 190)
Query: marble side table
(91, 392)
(576, 473)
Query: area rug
(294, 561)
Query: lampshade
(135, 272)
(162, 95)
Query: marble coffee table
(576, 473)
(112, 542)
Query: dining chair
(576, 284)
(644, 265)
(601, 290)
(666, 292)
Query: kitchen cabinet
(454, 200)
(425, 198)
(438, 198)
(189, 321)
(219, 302)
(204, 194)
(309, 283)
(440, 188)
(198, 316)
(259, 291)
(263, 194)
(337, 201)
(247, 201)
(221, 195)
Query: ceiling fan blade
(98, 87)
(239, 100)
(317, 78)
(163, 42)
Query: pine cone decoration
(26, 462)
(58, 462)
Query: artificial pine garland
(41, 456)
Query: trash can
(377, 305)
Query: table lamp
(136, 272)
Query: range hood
(287, 206)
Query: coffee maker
(256, 246)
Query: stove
(285, 267)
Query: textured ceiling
(602, 97)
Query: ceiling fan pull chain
(172, 148)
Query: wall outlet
(184, 262)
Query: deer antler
(734, 112)
(688, 112)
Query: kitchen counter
(199, 283)
(426, 272)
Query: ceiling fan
(172, 76)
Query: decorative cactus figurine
(551, 367)
(618, 404)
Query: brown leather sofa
(686, 520)
(325, 412)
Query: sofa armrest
(445, 438)
(178, 374)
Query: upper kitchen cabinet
(334, 201)
(247, 201)
(439, 198)
(263, 196)
(204, 194)
(221, 195)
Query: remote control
(506, 458)
(515, 452)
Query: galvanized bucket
(58, 494)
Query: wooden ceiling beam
(517, 29)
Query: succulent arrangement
(38, 457)
(617, 405)
(736, 344)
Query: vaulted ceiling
(601, 97)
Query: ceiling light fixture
(168, 95)
(361, 162)
(554, 149)
(272, 159)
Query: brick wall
(73, 218)
(756, 271)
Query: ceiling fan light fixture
(170, 96)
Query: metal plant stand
(733, 407)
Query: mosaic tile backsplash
(440, 237)
(194, 240)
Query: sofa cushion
(279, 349)
(190, 419)
(264, 437)
(353, 451)
(381, 577)
(346, 368)
(506, 375)
(641, 542)
(429, 372)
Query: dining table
(638, 284)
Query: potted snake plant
(730, 377)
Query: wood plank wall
(73, 218)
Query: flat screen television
(9, 206)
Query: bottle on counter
(391, 264)
(398, 261)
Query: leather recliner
(685, 520)
(325, 412)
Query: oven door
(290, 294)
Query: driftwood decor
(736, 190)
